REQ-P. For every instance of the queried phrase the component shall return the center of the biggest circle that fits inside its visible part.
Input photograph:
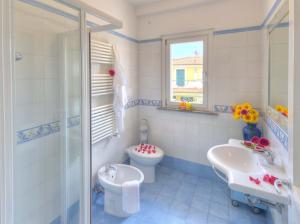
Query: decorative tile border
(280, 134)
(73, 121)
(143, 102)
(132, 103)
(53, 127)
(157, 103)
(278, 118)
(44, 130)
(222, 109)
(150, 103)
(37, 132)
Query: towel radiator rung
(103, 117)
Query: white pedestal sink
(237, 163)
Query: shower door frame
(7, 136)
(6, 112)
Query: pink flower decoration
(255, 140)
(111, 72)
(244, 112)
(255, 180)
(264, 142)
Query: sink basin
(227, 156)
(238, 163)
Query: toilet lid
(146, 150)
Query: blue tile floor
(180, 198)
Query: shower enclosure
(45, 158)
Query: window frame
(206, 37)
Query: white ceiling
(142, 2)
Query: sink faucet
(267, 154)
(280, 182)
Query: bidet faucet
(108, 168)
(267, 154)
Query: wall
(121, 10)
(113, 150)
(236, 58)
(217, 15)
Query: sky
(181, 50)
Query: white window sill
(194, 111)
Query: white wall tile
(237, 78)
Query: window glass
(186, 68)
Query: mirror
(278, 70)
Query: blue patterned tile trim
(37, 132)
(73, 121)
(281, 135)
(44, 130)
(222, 109)
(51, 128)
(143, 102)
(150, 103)
(132, 103)
(228, 109)
(157, 103)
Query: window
(185, 70)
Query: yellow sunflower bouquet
(245, 112)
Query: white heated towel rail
(102, 53)
(102, 84)
(103, 123)
(103, 117)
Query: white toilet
(113, 178)
(145, 157)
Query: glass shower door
(47, 113)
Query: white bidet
(112, 178)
